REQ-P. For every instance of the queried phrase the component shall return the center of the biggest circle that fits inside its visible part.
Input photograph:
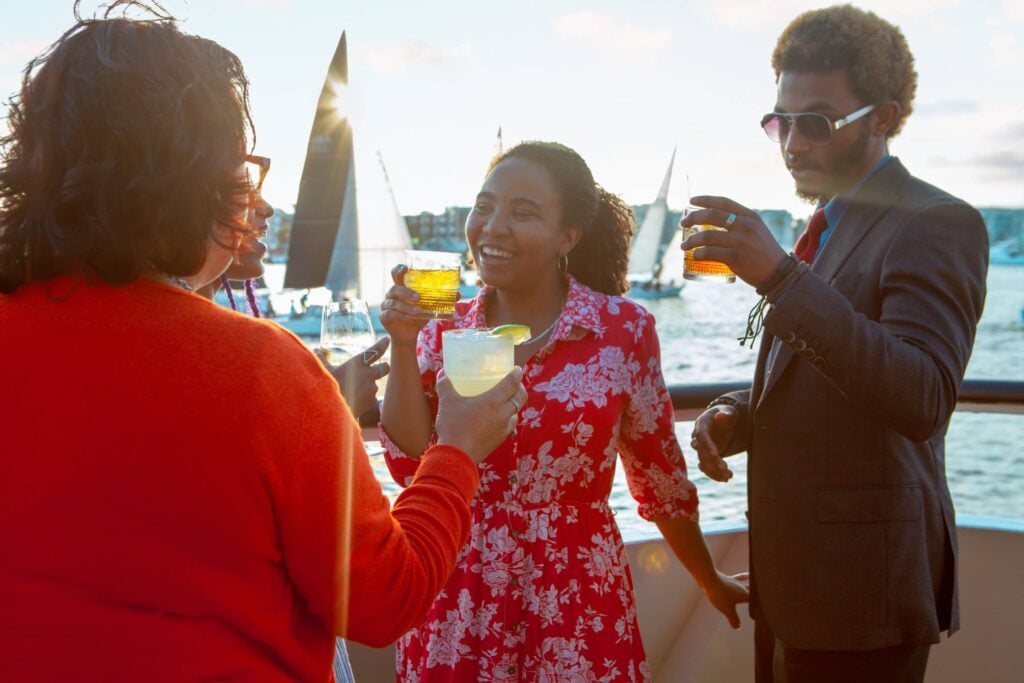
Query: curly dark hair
(123, 151)
(873, 53)
(601, 258)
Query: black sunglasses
(814, 127)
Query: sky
(622, 82)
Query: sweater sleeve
(369, 571)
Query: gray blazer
(852, 530)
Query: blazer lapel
(866, 208)
(870, 203)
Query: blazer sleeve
(905, 368)
(740, 400)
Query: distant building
(279, 230)
(781, 225)
(444, 231)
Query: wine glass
(346, 330)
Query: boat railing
(689, 400)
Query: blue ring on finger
(730, 220)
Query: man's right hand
(478, 425)
(711, 434)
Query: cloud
(761, 13)
(18, 54)
(1004, 51)
(946, 108)
(270, 4)
(407, 57)
(1010, 160)
(1013, 10)
(609, 33)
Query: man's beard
(844, 167)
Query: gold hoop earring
(563, 264)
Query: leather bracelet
(723, 401)
(787, 265)
(787, 281)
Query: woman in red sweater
(145, 536)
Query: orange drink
(703, 271)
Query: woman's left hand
(725, 592)
(357, 377)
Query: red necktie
(807, 244)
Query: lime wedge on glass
(519, 333)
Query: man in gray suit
(868, 330)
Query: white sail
(646, 248)
(383, 234)
(671, 271)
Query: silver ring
(730, 220)
(515, 403)
(370, 356)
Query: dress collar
(581, 310)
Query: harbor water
(699, 331)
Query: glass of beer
(346, 330)
(434, 275)
(703, 271)
(476, 360)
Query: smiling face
(515, 228)
(249, 262)
(823, 171)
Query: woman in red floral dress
(542, 590)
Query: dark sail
(322, 191)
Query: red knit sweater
(180, 488)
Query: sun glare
(341, 102)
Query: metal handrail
(986, 395)
(975, 392)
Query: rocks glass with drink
(435, 276)
(703, 271)
(346, 330)
(476, 360)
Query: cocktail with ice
(476, 360)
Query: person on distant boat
(542, 590)
(870, 325)
(184, 494)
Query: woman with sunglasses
(357, 377)
(184, 494)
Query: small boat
(654, 252)
(1006, 253)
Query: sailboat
(347, 232)
(652, 253)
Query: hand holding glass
(434, 275)
(346, 330)
(703, 271)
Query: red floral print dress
(542, 591)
